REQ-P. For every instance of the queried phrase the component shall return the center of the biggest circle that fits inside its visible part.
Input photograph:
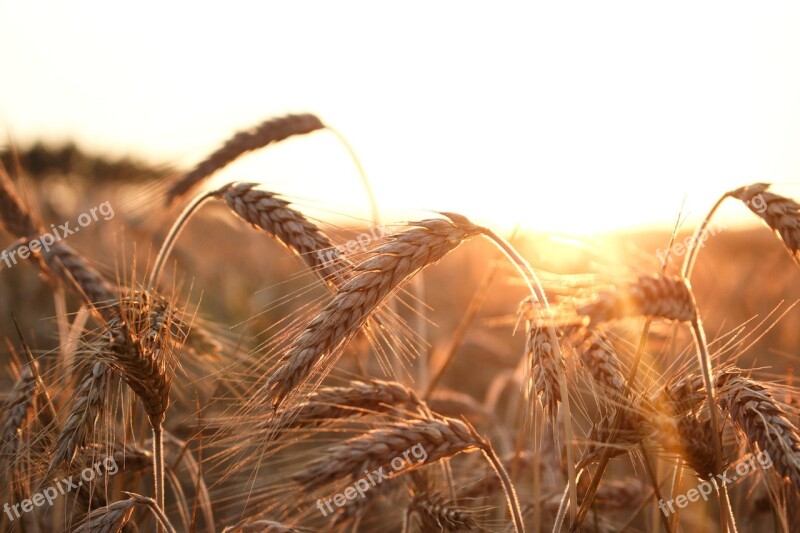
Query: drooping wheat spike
(683, 395)
(694, 444)
(137, 345)
(129, 459)
(431, 440)
(111, 518)
(599, 358)
(764, 422)
(18, 408)
(633, 428)
(83, 417)
(357, 398)
(386, 268)
(780, 213)
(268, 132)
(439, 439)
(269, 212)
(16, 218)
(657, 296)
(543, 363)
(83, 278)
(436, 513)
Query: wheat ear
(543, 364)
(266, 210)
(780, 213)
(441, 438)
(83, 416)
(16, 218)
(436, 513)
(602, 363)
(764, 422)
(357, 398)
(268, 132)
(386, 268)
(17, 410)
(111, 518)
(655, 296)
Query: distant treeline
(40, 160)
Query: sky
(571, 117)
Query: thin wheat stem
(605, 456)
(174, 232)
(704, 361)
(508, 487)
(158, 464)
(531, 279)
(694, 248)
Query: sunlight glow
(555, 118)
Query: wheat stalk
(18, 408)
(111, 518)
(656, 296)
(83, 416)
(542, 361)
(266, 210)
(16, 218)
(441, 438)
(357, 398)
(764, 422)
(268, 132)
(436, 513)
(780, 213)
(599, 358)
(386, 268)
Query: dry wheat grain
(763, 421)
(436, 513)
(374, 280)
(780, 213)
(657, 296)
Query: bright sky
(568, 116)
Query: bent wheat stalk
(780, 213)
(386, 268)
(435, 513)
(764, 422)
(83, 417)
(111, 518)
(268, 132)
(266, 210)
(440, 438)
(539, 296)
(660, 296)
(357, 398)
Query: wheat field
(213, 358)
